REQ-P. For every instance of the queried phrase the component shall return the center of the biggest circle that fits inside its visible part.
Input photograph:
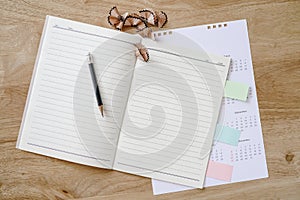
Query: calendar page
(228, 163)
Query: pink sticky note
(219, 171)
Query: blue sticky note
(227, 135)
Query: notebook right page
(247, 160)
(171, 114)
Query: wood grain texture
(274, 31)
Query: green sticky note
(236, 90)
(227, 135)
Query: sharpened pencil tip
(101, 110)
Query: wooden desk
(275, 42)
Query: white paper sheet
(248, 158)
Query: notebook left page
(61, 117)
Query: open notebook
(160, 116)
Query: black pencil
(95, 84)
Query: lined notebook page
(61, 117)
(170, 116)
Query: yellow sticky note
(236, 90)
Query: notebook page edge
(33, 76)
